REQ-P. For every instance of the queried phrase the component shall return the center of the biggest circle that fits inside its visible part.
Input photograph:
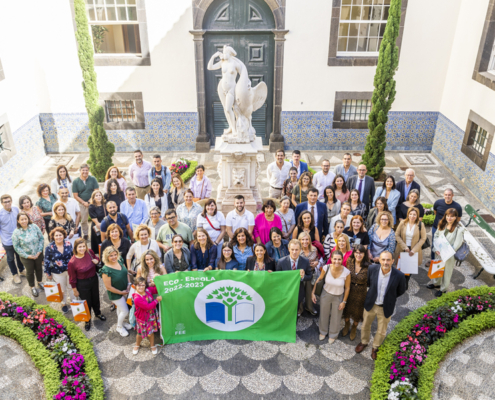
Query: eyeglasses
(384, 219)
(171, 218)
(178, 241)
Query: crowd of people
(340, 230)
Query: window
(478, 139)
(491, 64)
(7, 145)
(361, 27)
(355, 110)
(351, 110)
(123, 110)
(114, 26)
(120, 110)
(356, 31)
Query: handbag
(426, 244)
(80, 310)
(319, 285)
(462, 253)
(53, 292)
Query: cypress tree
(383, 94)
(100, 149)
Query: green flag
(228, 305)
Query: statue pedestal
(238, 170)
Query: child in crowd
(146, 314)
(227, 259)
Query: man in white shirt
(386, 284)
(239, 217)
(323, 178)
(277, 172)
(70, 204)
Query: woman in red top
(146, 314)
(83, 278)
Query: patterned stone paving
(232, 369)
(19, 378)
(468, 370)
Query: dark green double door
(256, 51)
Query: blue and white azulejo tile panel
(65, 133)
(447, 147)
(313, 130)
(28, 141)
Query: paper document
(408, 264)
(442, 245)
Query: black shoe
(65, 309)
(101, 317)
(34, 291)
(41, 285)
(113, 307)
(314, 312)
(87, 325)
(439, 293)
(1, 279)
(432, 286)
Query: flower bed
(185, 168)
(59, 349)
(405, 351)
(429, 216)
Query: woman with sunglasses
(178, 258)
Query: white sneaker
(127, 326)
(122, 331)
(135, 350)
(330, 340)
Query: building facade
(318, 59)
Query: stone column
(276, 138)
(203, 140)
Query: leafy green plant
(190, 171)
(98, 32)
(82, 343)
(384, 93)
(429, 216)
(380, 381)
(61, 348)
(100, 149)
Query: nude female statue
(238, 99)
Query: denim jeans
(433, 230)
(12, 257)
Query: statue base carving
(238, 169)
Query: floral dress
(55, 262)
(189, 217)
(36, 218)
(146, 313)
(68, 226)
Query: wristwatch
(345, 302)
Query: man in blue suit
(319, 211)
(301, 166)
(405, 186)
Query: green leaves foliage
(100, 149)
(83, 345)
(380, 381)
(384, 93)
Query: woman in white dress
(213, 221)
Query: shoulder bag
(463, 251)
(321, 282)
(206, 216)
(426, 244)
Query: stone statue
(238, 176)
(239, 99)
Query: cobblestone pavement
(467, 372)
(19, 378)
(232, 369)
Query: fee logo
(229, 306)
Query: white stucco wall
(461, 93)
(310, 84)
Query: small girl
(227, 259)
(146, 314)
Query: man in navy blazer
(295, 261)
(320, 212)
(405, 186)
(365, 182)
(301, 166)
(385, 284)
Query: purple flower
(19, 310)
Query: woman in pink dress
(266, 221)
(146, 314)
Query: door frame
(199, 7)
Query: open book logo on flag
(229, 305)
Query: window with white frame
(478, 138)
(361, 27)
(491, 64)
(355, 110)
(114, 26)
(120, 110)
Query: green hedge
(82, 343)
(437, 351)
(380, 381)
(47, 366)
(190, 171)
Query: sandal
(154, 351)
(135, 349)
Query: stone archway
(203, 141)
